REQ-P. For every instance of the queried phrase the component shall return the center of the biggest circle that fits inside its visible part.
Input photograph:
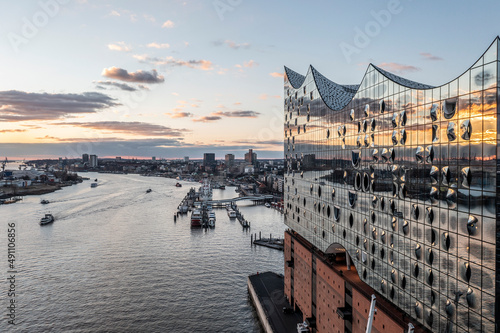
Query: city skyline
(174, 78)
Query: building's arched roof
(337, 96)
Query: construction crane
(4, 163)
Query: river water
(115, 261)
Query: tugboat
(48, 218)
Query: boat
(205, 192)
(231, 214)
(211, 215)
(183, 209)
(178, 185)
(211, 222)
(48, 218)
(196, 219)
(95, 179)
(222, 187)
(267, 205)
(148, 190)
(93, 185)
(44, 202)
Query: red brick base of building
(332, 298)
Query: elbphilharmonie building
(391, 189)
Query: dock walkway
(267, 293)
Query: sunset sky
(180, 78)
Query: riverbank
(34, 189)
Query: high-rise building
(93, 161)
(209, 159)
(251, 157)
(391, 190)
(229, 160)
(85, 158)
(186, 158)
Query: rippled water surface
(115, 261)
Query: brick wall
(302, 279)
(330, 292)
(382, 323)
(288, 270)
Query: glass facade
(404, 176)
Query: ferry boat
(196, 219)
(231, 214)
(93, 185)
(48, 218)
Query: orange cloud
(276, 74)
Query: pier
(266, 290)
(273, 243)
(244, 223)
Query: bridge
(266, 197)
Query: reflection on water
(114, 260)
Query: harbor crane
(4, 163)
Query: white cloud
(120, 46)
(158, 46)
(168, 24)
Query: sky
(180, 78)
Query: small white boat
(48, 218)
(231, 214)
(267, 205)
(211, 222)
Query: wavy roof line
(295, 79)
(337, 96)
(401, 80)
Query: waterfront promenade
(267, 293)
